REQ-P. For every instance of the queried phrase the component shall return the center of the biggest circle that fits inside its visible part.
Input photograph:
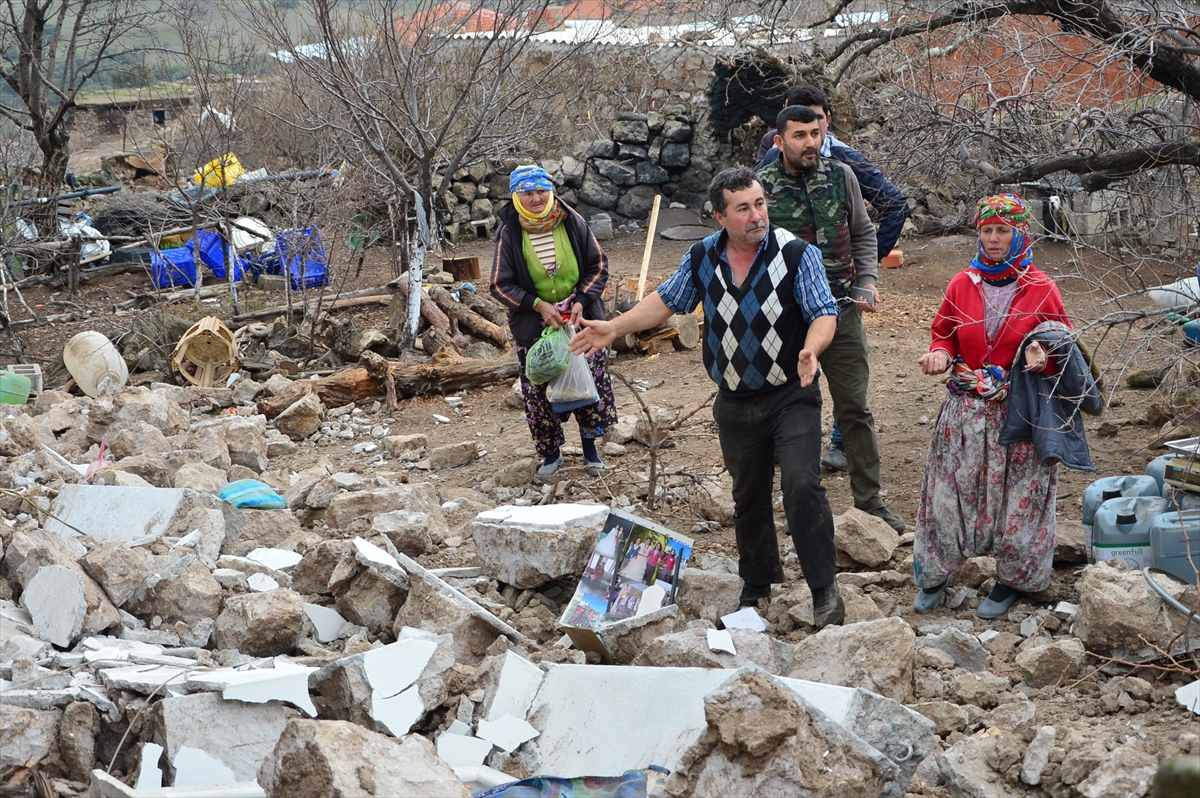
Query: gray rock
(675, 155)
(1117, 610)
(1037, 756)
(602, 226)
(117, 568)
(676, 131)
(966, 771)
(964, 648)
(408, 530)
(619, 173)
(689, 649)
(649, 173)
(346, 509)
(77, 739)
(633, 132)
(631, 152)
(1125, 773)
(246, 439)
(530, 546)
(637, 202)
(1051, 663)
(947, 717)
(699, 589)
(184, 591)
(453, 455)
(28, 736)
(270, 528)
(601, 148)
(865, 538)
(627, 638)
(200, 477)
(301, 419)
(572, 171)
(599, 191)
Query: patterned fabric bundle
(1007, 209)
(989, 382)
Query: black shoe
(828, 607)
(835, 457)
(893, 520)
(752, 594)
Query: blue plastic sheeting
(629, 785)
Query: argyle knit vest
(753, 332)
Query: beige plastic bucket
(95, 364)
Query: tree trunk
(467, 320)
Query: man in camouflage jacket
(819, 200)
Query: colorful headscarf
(1007, 209)
(529, 178)
(532, 178)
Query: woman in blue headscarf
(979, 496)
(549, 269)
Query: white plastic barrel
(1122, 529)
(1157, 468)
(1175, 544)
(95, 364)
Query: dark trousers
(756, 429)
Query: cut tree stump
(681, 330)
(468, 320)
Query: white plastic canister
(95, 364)
(1107, 488)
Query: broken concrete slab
(530, 546)
(334, 759)
(623, 640)
(462, 750)
(762, 738)
(387, 688)
(1188, 697)
(302, 418)
(102, 785)
(463, 604)
(194, 767)
(248, 731)
(55, 600)
(876, 655)
(965, 649)
(507, 732)
(408, 530)
(261, 624)
(278, 559)
(700, 590)
(1037, 756)
(131, 515)
(144, 679)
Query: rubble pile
(154, 637)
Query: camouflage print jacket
(826, 208)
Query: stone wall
(663, 152)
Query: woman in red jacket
(980, 497)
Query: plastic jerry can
(1108, 488)
(1172, 535)
(95, 364)
(1157, 468)
(1122, 529)
(14, 388)
(1180, 499)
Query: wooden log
(434, 339)
(687, 327)
(336, 390)
(468, 320)
(627, 343)
(462, 268)
(429, 309)
(447, 372)
(485, 306)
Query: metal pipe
(87, 192)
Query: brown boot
(828, 607)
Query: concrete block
(248, 733)
(131, 515)
(55, 600)
(530, 546)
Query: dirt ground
(904, 403)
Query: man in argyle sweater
(819, 200)
(769, 315)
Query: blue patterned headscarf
(1010, 210)
(529, 178)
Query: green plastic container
(14, 388)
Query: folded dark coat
(1045, 408)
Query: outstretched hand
(593, 336)
(808, 367)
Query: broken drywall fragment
(279, 559)
(149, 773)
(327, 622)
(745, 618)
(721, 640)
(506, 732)
(194, 768)
(461, 750)
(1188, 697)
(144, 679)
(56, 602)
(387, 688)
(286, 682)
(514, 689)
(131, 515)
(530, 546)
(103, 785)
(323, 758)
(261, 583)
